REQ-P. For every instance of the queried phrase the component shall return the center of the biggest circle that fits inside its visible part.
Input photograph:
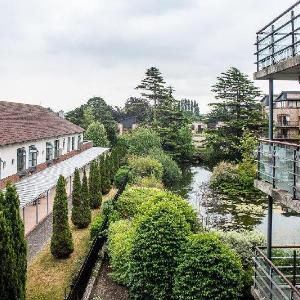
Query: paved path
(40, 235)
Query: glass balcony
(280, 39)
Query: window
(64, 143)
(78, 142)
(21, 159)
(69, 144)
(73, 142)
(56, 148)
(32, 156)
(49, 151)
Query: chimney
(61, 114)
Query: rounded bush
(207, 270)
(96, 226)
(149, 182)
(157, 240)
(145, 167)
(119, 250)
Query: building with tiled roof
(33, 137)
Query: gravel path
(40, 235)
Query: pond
(220, 212)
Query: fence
(277, 279)
(78, 288)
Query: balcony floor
(279, 196)
(288, 69)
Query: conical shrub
(77, 200)
(94, 188)
(61, 240)
(86, 210)
(11, 210)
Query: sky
(61, 53)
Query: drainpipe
(270, 199)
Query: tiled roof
(25, 122)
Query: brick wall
(15, 178)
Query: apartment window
(69, 144)
(49, 151)
(73, 142)
(64, 143)
(32, 156)
(21, 159)
(56, 148)
(78, 142)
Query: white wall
(8, 154)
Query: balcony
(287, 124)
(279, 277)
(287, 136)
(278, 47)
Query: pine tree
(105, 175)
(61, 240)
(77, 209)
(237, 109)
(94, 186)
(11, 211)
(86, 210)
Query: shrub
(119, 250)
(94, 186)
(207, 270)
(158, 238)
(181, 204)
(86, 210)
(141, 141)
(61, 240)
(149, 182)
(121, 174)
(171, 171)
(96, 226)
(145, 167)
(129, 202)
(11, 210)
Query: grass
(47, 277)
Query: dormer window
(49, 151)
(21, 159)
(32, 156)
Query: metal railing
(287, 136)
(279, 165)
(278, 278)
(279, 40)
(287, 124)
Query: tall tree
(61, 240)
(77, 202)
(96, 132)
(11, 208)
(153, 88)
(139, 108)
(237, 110)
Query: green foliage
(13, 246)
(237, 110)
(121, 174)
(106, 175)
(76, 200)
(141, 141)
(119, 249)
(61, 240)
(219, 270)
(131, 199)
(156, 244)
(138, 108)
(97, 134)
(94, 186)
(145, 167)
(190, 107)
(171, 171)
(86, 210)
(97, 226)
(149, 182)
(95, 110)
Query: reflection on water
(234, 214)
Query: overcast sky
(60, 53)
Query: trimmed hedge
(121, 174)
(156, 244)
(120, 236)
(207, 270)
(96, 226)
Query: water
(236, 214)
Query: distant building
(127, 124)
